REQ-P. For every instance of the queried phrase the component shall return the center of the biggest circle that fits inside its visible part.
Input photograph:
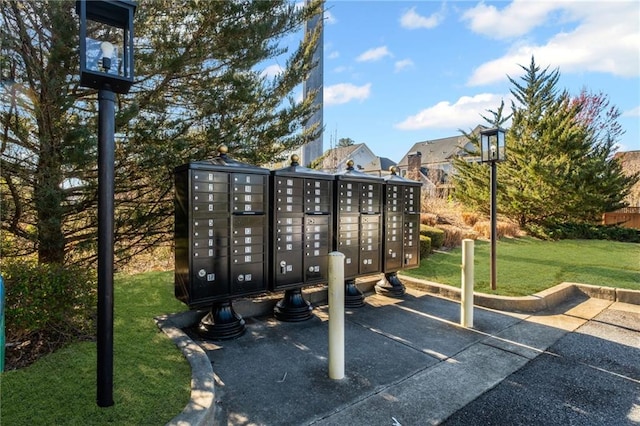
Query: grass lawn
(151, 382)
(526, 265)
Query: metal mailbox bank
(301, 233)
(221, 238)
(401, 246)
(358, 225)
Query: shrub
(452, 235)
(48, 297)
(470, 218)
(436, 235)
(425, 246)
(585, 231)
(503, 229)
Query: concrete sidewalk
(408, 362)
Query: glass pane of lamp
(104, 48)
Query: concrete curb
(545, 299)
(201, 408)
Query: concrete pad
(277, 373)
(527, 339)
(589, 308)
(432, 395)
(560, 321)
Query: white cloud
(405, 63)
(272, 71)
(412, 20)
(333, 55)
(374, 54)
(329, 18)
(633, 112)
(516, 19)
(606, 40)
(465, 112)
(345, 92)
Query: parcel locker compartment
(209, 280)
(247, 278)
(412, 257)
(370, 262)
(288, 268)
(351, 260)
(316, 268)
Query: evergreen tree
(559, 157)
(199, 83)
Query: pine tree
(199, 83)
(559, 165)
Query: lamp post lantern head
(106, 44)
(492, 145)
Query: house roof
(438, 150)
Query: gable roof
(441, 150)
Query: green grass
(151, 382)
(526, 265)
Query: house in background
(335, 160)
(431, 162)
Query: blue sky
(401, 72)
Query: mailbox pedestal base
(353, 297)
(390, 286)
(293, 307)
(221, 323)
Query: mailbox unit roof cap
(353, 174)
(296, 169)
(393, 177)
(223, 163)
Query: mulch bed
(27, 350)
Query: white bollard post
(336, 315)
(466, 296)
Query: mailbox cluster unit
(358, 222)
(242, 230)
(402, 230)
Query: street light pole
(494, 214)
(106, 158)
(492, 150)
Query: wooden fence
(628, 217)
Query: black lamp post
(106, 64)
(492, 150)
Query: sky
(401, 72)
